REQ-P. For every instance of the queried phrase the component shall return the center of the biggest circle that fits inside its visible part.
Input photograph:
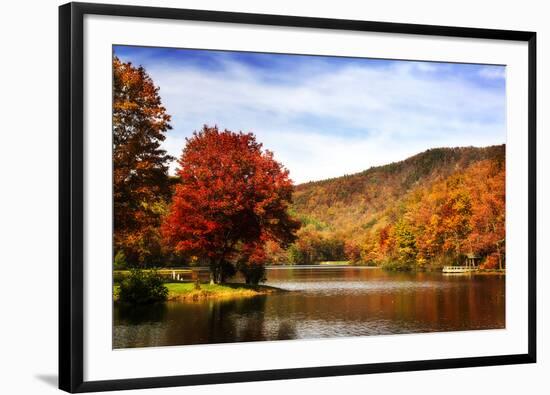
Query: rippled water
(323, 302)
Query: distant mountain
(362, 196)
(350, 207)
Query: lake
(325, 301)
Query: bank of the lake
(188, 292)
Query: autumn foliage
(430, 210)
(140, 167)
(232, 198)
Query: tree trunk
(499, 258)
(214, 273)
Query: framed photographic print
(251, 197)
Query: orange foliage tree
(232, 197)
(462, 214)
(140, 166)
(488, 223)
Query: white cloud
(426, 66)
(493, 72)
(327, 122)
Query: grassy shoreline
(186, 292)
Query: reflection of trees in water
(136, 315)
(238, 319)
(458, 303)
(139, 326)
(287, 331)
(211, 321)
(245, 320)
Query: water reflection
(324, 302)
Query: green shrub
(120, 260)
(119, 276)
(142, 287)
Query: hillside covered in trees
(426, 211)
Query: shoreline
(186, 292)
(178, 292)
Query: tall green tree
(140, 166)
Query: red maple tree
(232, 195)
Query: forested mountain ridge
(353, 211)
(369, 192)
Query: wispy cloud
(325, 117)
(492, 72)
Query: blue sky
(327, 116)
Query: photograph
(270, 198)
(280, 196)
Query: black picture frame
(71, 173)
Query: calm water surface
(324, 302)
